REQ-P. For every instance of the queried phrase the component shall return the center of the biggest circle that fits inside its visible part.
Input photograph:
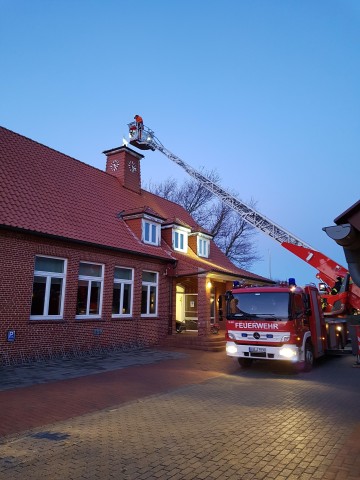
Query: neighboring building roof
(46, 192)
(351, 215)
(347, 235)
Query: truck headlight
(231, 348)
(287, 352)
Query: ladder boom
(327, 269)
(251, 216)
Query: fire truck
(344, 303)
(281, 322)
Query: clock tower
(124, 164)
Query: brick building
(89, 259)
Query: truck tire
(245, 362)
(309, 357)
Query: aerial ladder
(348, 299)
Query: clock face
(132, 166)
(114, 165)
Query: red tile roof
(47, 192)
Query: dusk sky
(266, 92)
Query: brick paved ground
(196, 417)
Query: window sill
(48, 318)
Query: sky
(265, 92)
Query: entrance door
(191, 311)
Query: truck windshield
(272, 305)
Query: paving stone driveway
(247, 425)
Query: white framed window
(180, 240)
(150, 232)
(203, 247)
(149, 294)
(123, 292)
(48, 288)
(90, 290)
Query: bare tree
(231, 233)
(192, 196)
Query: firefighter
(337, 286)
(139, 125)
(324, 303)
(234, 306)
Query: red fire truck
(281, 322)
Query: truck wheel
(245, 362)
(309, 357)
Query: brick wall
(166, 235)
(192, 242)
(127, 169)
(136, 226)
(36, 338)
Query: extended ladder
(327, 268)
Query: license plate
(257, 349)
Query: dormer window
(203, 247)
(180, 240)
(150, 232)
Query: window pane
(147, 232)
(144, 299)
(152, 300)
(45, 264)
(123, 273)
(298, 304)
(153, 233)
(176, 240)
(55, 296)
(90, 270)
(203, 247)
(149, 277)
(95, 298)
(126, 299)
(182, 241)
(38, 297)
(116, 298)
(82, 297)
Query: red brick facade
(36, 338)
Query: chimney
(124, 164)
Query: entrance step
(191, 340)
